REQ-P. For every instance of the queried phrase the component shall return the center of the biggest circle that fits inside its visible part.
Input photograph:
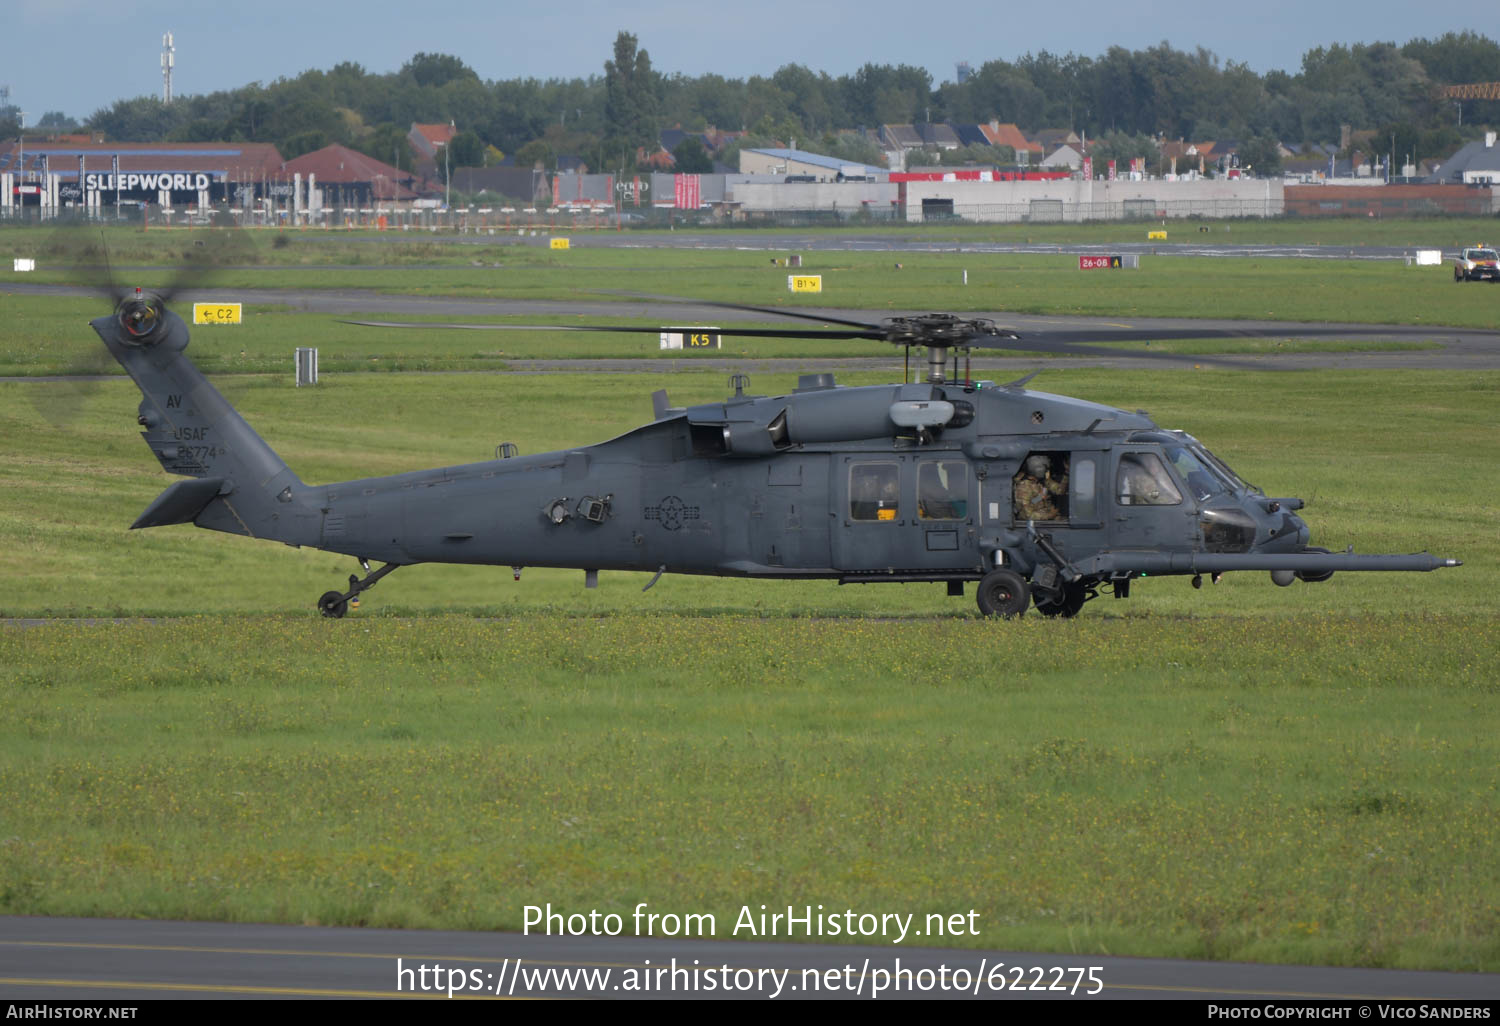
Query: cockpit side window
(1143, 481)
(874, 491)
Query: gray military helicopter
(1036, 498)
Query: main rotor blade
(835, 334)
(1073, 335)
(1033, 344)
(778, 311)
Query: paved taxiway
(1218, 242)
(110, 959)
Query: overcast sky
(79, 55)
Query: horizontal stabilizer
(181, 503)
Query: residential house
(937, 135)
(1063, 156)
(998, 133)
(1478, 163)
(349, 178)
(1050, 139)
(427, 142)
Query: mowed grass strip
(1317, 790)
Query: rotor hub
(140, 316)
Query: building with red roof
(427, 142)
(1007, 134)
(349, 178)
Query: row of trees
(1128, 96)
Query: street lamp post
(447, 172)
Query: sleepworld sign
(148, 181)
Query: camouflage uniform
(1034, 498)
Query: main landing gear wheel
(333, 604)
(1067, 605)
(1003, 593)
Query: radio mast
(168, 61)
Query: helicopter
(1037, 499)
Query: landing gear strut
(335, 604)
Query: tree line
(1122, 98)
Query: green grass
(1305, 774)
(1319, 789)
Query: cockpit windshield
(1202, 482)
(1232, 481)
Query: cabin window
(1040, 488)
(943, 491)
(1143, 481)
(874, 491)
(1082, 490)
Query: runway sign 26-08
(1099, 263)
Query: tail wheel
(1003, 593)
(333, 605)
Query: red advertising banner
(1111, 170)
(1088, 169)
(687, 191)
(978, 176)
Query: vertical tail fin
(243, 487)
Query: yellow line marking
(239, 988)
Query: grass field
(1318, 789)
(1244, 772)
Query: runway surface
(109, 959)
(1219, 242)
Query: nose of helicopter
(1280, 530)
